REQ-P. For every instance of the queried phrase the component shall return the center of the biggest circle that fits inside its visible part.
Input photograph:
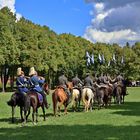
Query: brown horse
(119, 93)
(59, 96)
(32, 100)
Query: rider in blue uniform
(35, 82)
(21, 82)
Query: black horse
(17, 99)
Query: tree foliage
(25, 44)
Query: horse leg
(21, 115)
(79, 99)
(25, 115)
(84, 102)
(13, 113)
(101, 103)
(65, 108)
(29, 110)
(118, 99)
(36, 114)
(76, 104)
(54, 100)
(43, 109)
(91, 104)
(33, 114)
(123, 99)
(59, 106)
(73, 103)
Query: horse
(119, 93)
(17, 99)
(33, 100)
(75, 98)
(87, 98)
(104, 95)
(61, 97)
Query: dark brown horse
(104, 95)
(17, 99)
(32, 100)
(59, 96)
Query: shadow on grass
(77, 132)
(128, 108)
(16, 120)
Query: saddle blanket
(40, 98)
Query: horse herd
(99, 95)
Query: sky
(108, 21)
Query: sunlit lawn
(118, 122)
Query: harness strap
(21, 84)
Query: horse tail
(75, 96)
(84, 96)
(54, 100)
(118, 94)
(27, 102)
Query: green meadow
(117, 122)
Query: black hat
(62, 72)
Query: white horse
(75, 98)
(88, 98)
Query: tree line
(26, 44)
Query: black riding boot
(45, 100)
(68, 95)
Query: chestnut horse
(59, 96)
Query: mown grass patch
(118, 122)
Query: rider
(35, 82)
(21, 82)
(77, 83)
(120, 81)
(88, 82)
(63, 82)
(103, 80)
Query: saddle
(39, 97)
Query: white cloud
(11, 5)
(114, 21)
(110, 37)
(99, 7)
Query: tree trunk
(4, 77)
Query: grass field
(118, 122)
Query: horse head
(46, 88)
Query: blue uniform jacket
(35, 83)
(21, 84)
